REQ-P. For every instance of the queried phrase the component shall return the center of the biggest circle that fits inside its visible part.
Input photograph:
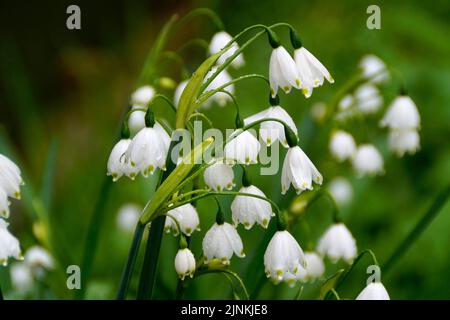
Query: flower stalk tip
(295, 39)
(149, 118)
(273, 39)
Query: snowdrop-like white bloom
(402, 114)
(342, 145)
(346, 102)
(185, 263)
(311, 71)
(219, 176)
(9, 245)
(143, 95)
(368, 99)
(368, 160)
(186, 216)
(283, 72)
(341, 190)
(128, 217)
(179, 91)
(37, 256)
(338, 243)
(220, 242)
(271, 131)
(218, 42)
(136, 120)
(4, 204)
(374, 291)
(374, 68)
(404, 141)
(298, 170)
(148, 150)
(283, 256)
(117, 164)
(21, 277)
(10, 179)
(220, 97)
(243, 149)
(248, 210)
(314, 269)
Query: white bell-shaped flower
(248, 210)
(218, 42)
(10, 178)
(21, 277)
(148, 150)
(185, 263)
(220, 242)
(314, 269)
(341, 190)
(136, 119)
(404, 141)
(128, 216)
(298, 170)
(242, 149)
(117, 164)
(338, 243)
(311, 70)
(9, 245)
(187, 218)
(143, 95)
(38, 257)
(221, 79)
(283, 72)
(402, 114)
(342, 145)
(179, 91)
(368, 160)
(283, 257)
(374, 291)
(219, 176)
(4, 204)
(374, 68)
(368, 99)
(271, 131)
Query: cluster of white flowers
(36, 263)
(10, 182)
(403, 120)
(366, 159)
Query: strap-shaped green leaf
(187, 100)
(174, 179)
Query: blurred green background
(63, 94)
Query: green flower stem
(131, 260)
(203, 116)
(174, 56)
(420, 227)
(335, 209)
(206, 95)
(226, 272)
(197, 13)
(166, 99)
(1, 294)
(345, 275)
(174, 205)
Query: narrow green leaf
(172, 181)
(330, 283)
(187, 101)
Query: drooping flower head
(341, 190)
(243, 149)
(314, 269)
(342, 145)
(38, 257)
(374, 291)
(271, 131)
(404, 141)
(374, 69)
(142, 95)
(128, 216)
(337, 243)
(185, 263)
(368, 160)
(220, 242)
(368, 98)
(283, 257)
(219, 176)
(402, 114)
(218, 42)
(9, 245)
(221, 79)
(117, 164)
(10, 182)
(148, 149)
(187, 218)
